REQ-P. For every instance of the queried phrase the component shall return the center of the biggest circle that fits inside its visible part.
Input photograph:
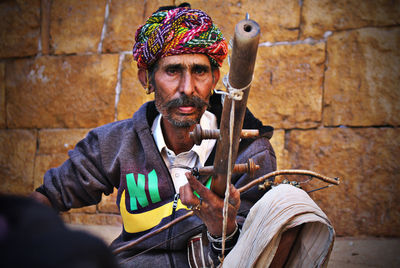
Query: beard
(181, 121)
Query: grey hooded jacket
(123, 155)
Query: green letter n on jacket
(137, 191)
(137, 221)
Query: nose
(187, 86)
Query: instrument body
(244, 53)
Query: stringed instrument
(238, 82)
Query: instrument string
(228, 179)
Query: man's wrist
(217, 232)
(230, 241)
(218, 239)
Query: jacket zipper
(174, 206)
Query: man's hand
(40, 198)
(210, 210)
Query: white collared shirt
(196, 157)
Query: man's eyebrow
(174, 66)
(200, 66)
(191, 66)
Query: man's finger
(186, 195)
(197, 186)
(234, 196)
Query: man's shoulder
(111, 131)
(138, 121)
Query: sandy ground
(348, 252)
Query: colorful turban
(178, 31)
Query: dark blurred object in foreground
(33, 235)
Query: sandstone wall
(327, 78)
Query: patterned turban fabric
(178, 31)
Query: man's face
(183, 85)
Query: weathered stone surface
(53, 147)
(89, 209)
(363, 78)
(368, 162)
(287, 87)
(53, 141)
(360, 89)
(45, 12)
(278, 143)
(108, 203)
(124, 18)
(45, 162)
(132, 94)
(20, 28)
(96, 219)
(321, 16)
(51, 92)
(17, 154)
(76, 26)
(2, 96)
(278, 20)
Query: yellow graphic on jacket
(134, 223)
(136, 187)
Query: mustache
(185, 100)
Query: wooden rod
(244, 52)
(198, 134)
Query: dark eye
(200, 70)
(172, 70)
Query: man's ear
(216, 75)
(144, 80)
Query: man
(178, 52)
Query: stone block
(278, 143)
(319, 16)
(92, 219)
(132, 94)
(20, 28)
(45, 12)
(108, 203)
(45, 162)
(2, 96)
(61, 92)
(278, 20)
(88, 210)
(52, 141)
(123, 20)
(286, 91)
(362, 80)
(53, 147)
(224, 70)
(368, 161)
(76, 26)
(17, 154)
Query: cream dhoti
(282, 208)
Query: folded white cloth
(282, 208)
